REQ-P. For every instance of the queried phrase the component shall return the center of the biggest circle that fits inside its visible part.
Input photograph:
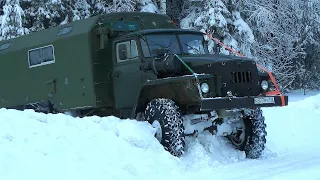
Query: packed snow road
(303, 164)
(37, 146)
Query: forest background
(282, 35)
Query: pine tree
(174, 10)
(68, 13)
(44, 14)
(240, 30)
(121, 6)
(163, 6)
(224, 22)
(97, 6)
(81, 10)
(307, 74)
(277, 45)
(208, 17)
(147, 6)
(11, 20)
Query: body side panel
(67, 82)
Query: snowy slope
(37, 146)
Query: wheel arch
(150, 92)
(182, 91)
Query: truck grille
(241, 77)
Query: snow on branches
(279, 27)
(11, 20)
(223, 20)
(282, 35)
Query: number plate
(264, 100)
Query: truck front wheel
(165, 116)
(251, 137)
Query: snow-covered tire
(167, 113)
(255, 135)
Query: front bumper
(208, 104)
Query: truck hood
(237, 74)
(212, 58)
(217, 64)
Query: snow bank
(295, 126)
(299, 95)
(39, 146)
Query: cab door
(126, 73)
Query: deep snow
(38, 146)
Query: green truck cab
(140, 66)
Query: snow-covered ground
(36, 146)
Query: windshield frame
(177, 37)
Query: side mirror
(122, 51)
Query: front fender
(182, 89)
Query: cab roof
(165, 31)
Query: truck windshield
(190, 44)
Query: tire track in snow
(271, 168)
(282, 167)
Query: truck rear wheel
(252, 137)
(165, 116)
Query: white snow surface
(38, 146)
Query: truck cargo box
(65, 64)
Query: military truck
(141, 66)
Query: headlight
(204, 87)
(264, 85)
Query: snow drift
(295, 126)
(63, 147)
(38, 146)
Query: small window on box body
(126, 50)
(65, 30)
(41, 56)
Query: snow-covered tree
(307, 71)
(210, 16)
(282, 35)
(147, 6)
(70, 12)
(163, 6)
(45, 13)
(95, 6)
(120, 5)
(240, 30)
(81, 10)
(174, 9)
(108, 6)
(11, 20)
(224, 22)
(277, 41)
